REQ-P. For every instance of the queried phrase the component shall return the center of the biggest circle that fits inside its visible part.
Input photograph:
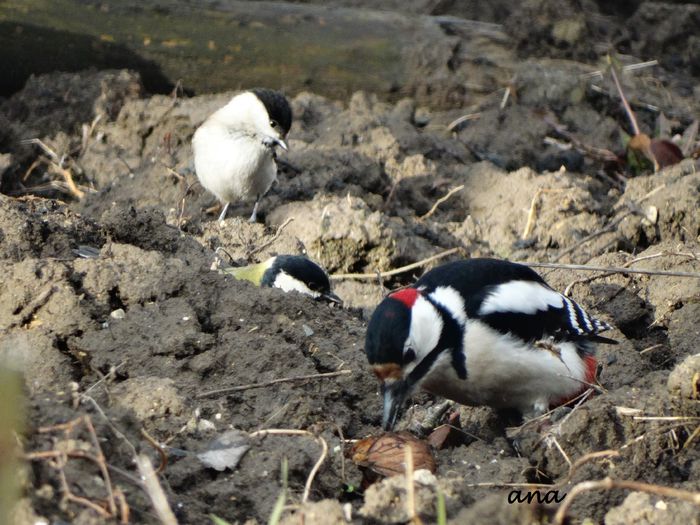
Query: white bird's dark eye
(409, 355)
(273, 124)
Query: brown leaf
(438, 437)
(665, 152)
(385, 453)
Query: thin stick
(155, 491)
(396, 271)
(464, 118)
(628, 109)
(78, 499)
(161, 452)
(532, 214)
(609, 483)
(271, 240)
(611, 269)
(607, 229)
(561, 451)
(272, 382)
(68, 178)
(440, 201)
(650, 348)
(294, 432)
(102, 463)
(410, 488)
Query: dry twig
(272, 382)
(609, 483)
(611, 269)
(271, 240)
(532, 214)
(440, 201)
(628, 109)
(396, 271)
(464, 118)
(155, 491)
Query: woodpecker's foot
(432, 418)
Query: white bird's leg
(223, 212)
(254, 216)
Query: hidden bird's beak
(330, 296)
(394, 395)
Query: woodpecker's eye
(409, 355)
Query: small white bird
(234, 149)
(482, 332)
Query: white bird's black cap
(278, 109)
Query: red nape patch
(591, 368)
(591, 371)
(407, 296)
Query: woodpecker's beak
(394, 394)
(330, 296)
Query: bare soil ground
(134, 336)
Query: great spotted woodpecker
(482, 332)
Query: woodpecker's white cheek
(524, 297)
(452, 301)
(426, 327)
(288, 283)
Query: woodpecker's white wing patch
(288, 283)
(452, 301)
(525, 297)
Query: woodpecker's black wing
(513, 298)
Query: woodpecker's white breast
(506, 372)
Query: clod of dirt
(42, 228)
(386, 502)
(564, 208)
(33, 353)
(684, 386)
(495, 510)
(345, 234)
(149, 397)
(641, 508)
(319, 513)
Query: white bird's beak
(274, 141)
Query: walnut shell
(385, 454)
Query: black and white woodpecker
(482, 332)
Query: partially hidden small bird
(482, 332)
(234, 149)
(289, 273)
